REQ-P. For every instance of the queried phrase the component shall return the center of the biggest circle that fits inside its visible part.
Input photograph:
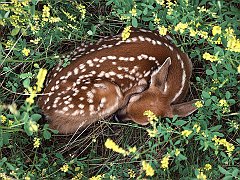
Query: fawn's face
(151, 99)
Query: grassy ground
(34, 35)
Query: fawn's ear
(159, 76)
(183, 109)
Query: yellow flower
(82, 10)
(78, 176)
(181, 27)
(177, 152)
(186, 133)
(193, 33)
(230, 147)
(3, 118)
(160, 2)
(210, 57)
(40, 79)
(26, 51)
(233, 44)
(133, 12)
(110, 144)
(165, 162)
(148, 168)
(54, 19)
(131, 173)
(238, 68)
(35, 41)
(162, 30)
(199, 104)
(46, 13)
(10, 122)
(98, 177)
(32, 92)
(216, 30)
(203, 34)
(132, 149)
(64, 168)
(33, 126)
(126, 32)
(201, 176)
(223, 102)
(151, 116)
(152, 133)
(36, 143)
(208, 167)
(197, 127)
(27, 178)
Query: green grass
(215, 82)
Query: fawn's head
(156, 99)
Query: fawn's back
(114, 74)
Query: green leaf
(26, 83)
(205, 95)
(222, 170)
(228, 95)
(179, 123)
(208, 102)
(15, 31)
(10, 166)
(134, 22)
(209, 72)
(36, 117)
(46, 134)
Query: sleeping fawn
(144, 72)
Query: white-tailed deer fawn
(144, 72)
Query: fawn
(144, 72)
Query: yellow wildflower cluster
(151, 116)
(181, 27)
(230, 147)
(201, 176)
(98, 177)
(216, 30)
(126, 32)
(40, 79)
(133, 11)
(203, 34)
(197, 127)
(33, 126)
(147, 168)
(131, 173)
(177, 152)
(225, 106)
(208, 167)
(223, 102)
(69, 16)
(110, 144)
(64, 168)
(165, 162)
(82, 10)
(233, 43)
(210, 57)
(35, 41)
(26, 51)
(3, 119)
(3, 176)
(78, 176)
(186, 133)
(152, 132)
(36, 143)
(199, 104)
(160, 2)
(162, 30)
(45, 13)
